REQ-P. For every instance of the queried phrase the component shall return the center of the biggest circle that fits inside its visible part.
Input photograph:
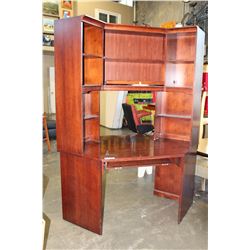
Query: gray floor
(133, 218)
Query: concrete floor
(133, 217)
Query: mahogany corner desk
(93, 56)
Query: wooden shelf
(132, 88)
(89, 140)
(89, 88)
(174, 116)
(116, 86)
(91, 56)
(174, 136)
(180, 61)
(88, 117)
(135, 83)
(188, 90)
(128, 60)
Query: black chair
(133, 119)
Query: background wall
(154, 13)
(88, 8)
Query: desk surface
(131, 148)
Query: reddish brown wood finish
(83, 190)
(92, 116)
(93, 54)
(131, 56)
(174, 103)
(133, 28)
(92, 103)
(133, 46)
(167, 60)
(93, 40)
(148, 73)
(168, 178)
(181, 47)
(93, 71)
(187, 185)
(68, 67)
(197, 90)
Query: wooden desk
(93, 56)
(83, 177)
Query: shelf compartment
(179, 75)
(92, 40)
(173, 128)
(92, 130)
(134, 45)
(91, 105)
(175, 103)
(180, 47)
(129, 72)
(93, 71)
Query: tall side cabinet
(93, 56)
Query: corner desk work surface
(83, 176)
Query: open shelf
(173, 128)
(117, 87)
(174, 116)
(179, 61)
(135, 83)
(129, 60)
(88, 117)
(91, 56)
(89, 140)
(130, 72)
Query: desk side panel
(187, 186)
(197, 89)
(83, 186)
(68, 76)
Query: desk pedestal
(83, 188)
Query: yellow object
(168, 25)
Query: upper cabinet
(91, 55)
(134, 56)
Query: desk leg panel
(187, 192)
(168, 181)
(82, 181)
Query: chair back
(136, 119)
(129, 117)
